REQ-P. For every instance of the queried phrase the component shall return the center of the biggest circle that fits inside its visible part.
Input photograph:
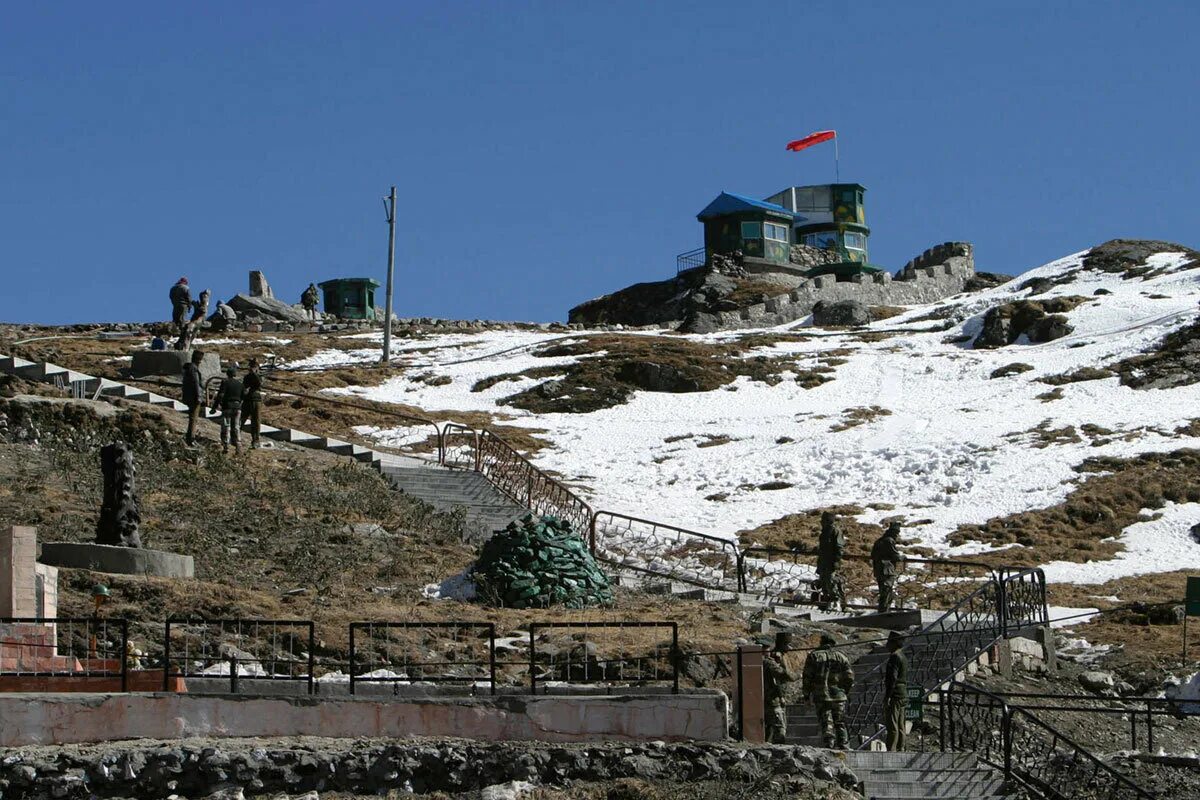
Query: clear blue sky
(546, 153)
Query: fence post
(311, 656)
(592, 536)
(167, 657)
(740, 697)
(351, 666)
(1006, 736)
(942, 710)
(477, 440)
(675, 657)
(1002, 602)
(741, 570)
(950, 707)
(233, 675)
(532, 661)
(124, 655)
(492, 655)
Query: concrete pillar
(753, 695)
(18, 581)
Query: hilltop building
(350, 298)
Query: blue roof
(728, 203)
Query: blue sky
(546, 153)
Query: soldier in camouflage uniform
(252, 402)
(885, 561)
(309, 300)
(229, 402)
(895, 692)
(830, 548)
(827, 680)
(193, 394)
(781, 669)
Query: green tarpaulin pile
(539, 562)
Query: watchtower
(350, 298)
(833, 217)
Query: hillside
(1076, 452)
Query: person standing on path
(895, 688)
(252, 402)
(181, 304)
(885, 562)
(828, 679)
(229, 402)
(193, 394)
(781, 669)
(831, 546)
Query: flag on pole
(810, 140)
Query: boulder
(1097, 682)
(266, 307)
(1037, 320)
(654, 377)
(842, 313)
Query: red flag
(811, 139)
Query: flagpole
(837, 170)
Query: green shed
(757, 228)
(350, 298)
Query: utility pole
(389, 204)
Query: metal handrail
(691, 259)
(489, 628)
(534, 627)
(716, 545)
(1038, 763)
(92, 653)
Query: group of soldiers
(826, 679)
(831, 548)
(187, 314)
(238, 401)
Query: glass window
(848, 196)
(778, 233)
(822, 239)
(856, 241)
(751, 230)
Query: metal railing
(515, 476)
(773, 572)
(1137, 709)
(691, 259)
(1013, 739)
(630, 658)
(239, 649)
(404, 653)
(666, 551)
(64, 647)
(460, 447)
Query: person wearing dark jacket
(181, 303)
(229, 402)
(895, 692)
(885, 562)
(193, 394)
(252, 402)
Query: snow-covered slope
(958, 446)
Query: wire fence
(410, 653)
(244, 651)
(632, 654)
(665, 551)
(53, 648)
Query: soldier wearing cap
(885, 562)
(895, 692)
(781, 669)
(827, 681)
(229, 402)
(831, 546)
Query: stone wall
(30, 719)
(917, 284)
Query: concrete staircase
(803, 727)
(446, 489)
(946, 776)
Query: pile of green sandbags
(539, 562)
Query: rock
(259, 286)
(1195, 533)
(840, 314)
(1097, 682)
(1037, 320)
(657, 377)
(506, 791)
(267, 307)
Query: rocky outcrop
(252, 309)
(1128, 256)
(1036, 320)
(364, 766)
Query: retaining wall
(34, 719)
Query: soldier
(830, 549)
(781, 669)
(181, 303)
(309, 300)
(895, 688)
(885, 561)
(193, 393)
(828, 678)
(252, 402)
(229, 402)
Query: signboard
(916, 704)
(1191, 598)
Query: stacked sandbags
(539, 562)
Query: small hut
(350, 298)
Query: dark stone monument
(120, 516)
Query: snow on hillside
(957, 447)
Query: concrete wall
(31, 719)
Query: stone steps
(947, 776)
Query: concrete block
(170, 363)
(118, 560)
(18, 578)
